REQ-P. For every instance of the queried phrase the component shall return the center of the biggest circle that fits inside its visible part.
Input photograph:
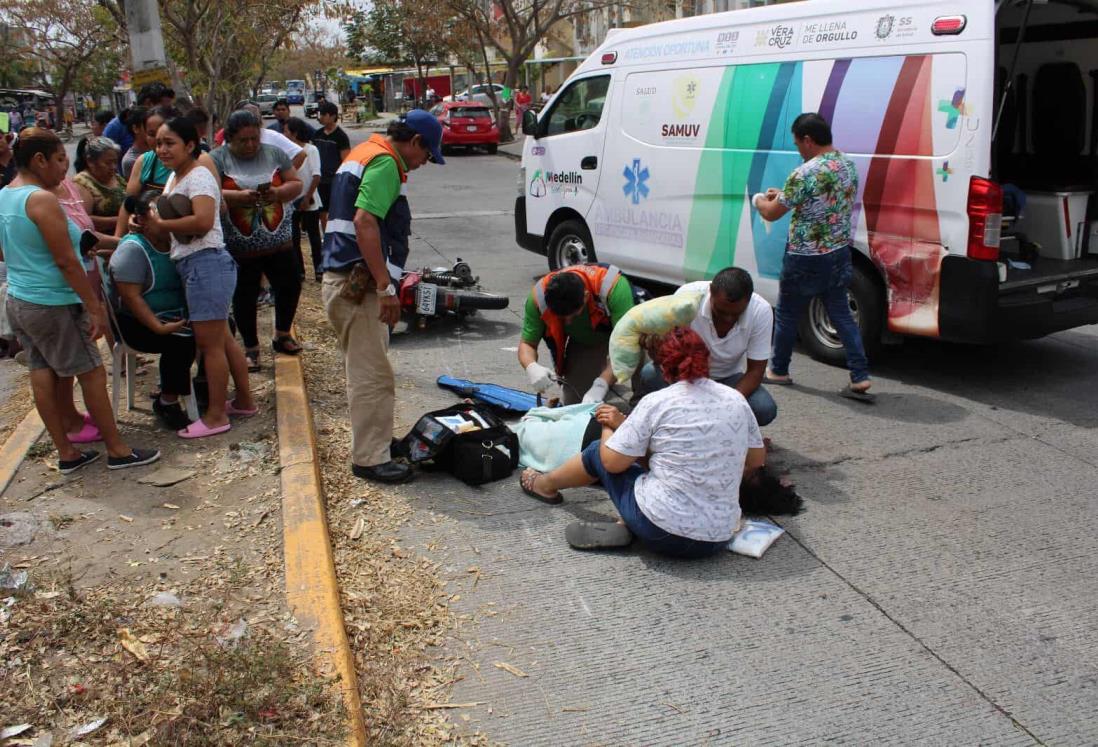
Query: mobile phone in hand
(88, 240)
(264, 187)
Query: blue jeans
(760, 401)
(803, 278)
(620, 489)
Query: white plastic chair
(123, 357)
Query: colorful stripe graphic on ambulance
(882, 111)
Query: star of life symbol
(635, 187)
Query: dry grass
(159, 675)
(394, 603)
(15, 408)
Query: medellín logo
(884, 26)
(537, 185)
(636, 178)
(555, 182)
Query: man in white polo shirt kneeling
(736, 324)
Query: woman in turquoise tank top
(52, 308)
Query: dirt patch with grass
(395, 606)
(153, 609)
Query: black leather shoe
(390, 472)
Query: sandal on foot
(767, 379)
(252, 355)
(858, 395)
(286, 344)
(199, 429)
(595, 535)
(526, 482)
(232, 409)
(68, 466)
(85, 435)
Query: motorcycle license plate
(426, 298)
(472, 128)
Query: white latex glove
(540, 377)
(597, 392)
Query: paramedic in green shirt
(574, 310)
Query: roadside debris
(166, 477)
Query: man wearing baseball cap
(365, 248)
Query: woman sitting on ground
(259, 183)
(699, 439)
(52, 308)
(150, 308)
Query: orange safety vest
(375, 146)
(599, 280)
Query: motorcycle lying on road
(437, 292)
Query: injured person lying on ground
(677, 469)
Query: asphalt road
(941, 588)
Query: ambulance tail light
(985, 218)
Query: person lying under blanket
(676, 467)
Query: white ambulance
(648, 156)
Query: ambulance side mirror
(529, 123)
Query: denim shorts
(621, 489)
(209, 280)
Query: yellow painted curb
(15, 448)
(311, 587)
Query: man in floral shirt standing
(821, 193)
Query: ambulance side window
(579, 107)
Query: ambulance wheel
(819, 336)
(570, 244)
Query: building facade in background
(569, 42)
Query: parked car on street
(266, 103)
(313, 102)
(467, 124)
(479, 94)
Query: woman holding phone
(51, 306)
(208, 273)
(259, 184)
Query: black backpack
(466, 440)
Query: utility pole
(150, 63)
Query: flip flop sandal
(857, 396)
(777, 382)
(596, 535)
(253, 360)
(286, 344)
(232, 409)
(85, 435)
(199, 429)
(528, 488)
